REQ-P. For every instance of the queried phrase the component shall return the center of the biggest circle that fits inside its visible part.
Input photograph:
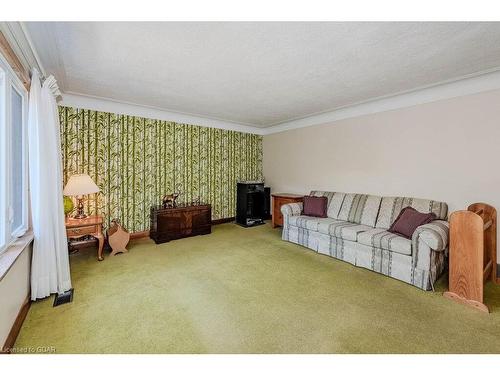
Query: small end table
(279, 199)
(90, 226)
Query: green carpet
(245, 291)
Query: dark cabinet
(178, 222)
(252, 203)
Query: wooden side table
(90, 226)
(279, 199)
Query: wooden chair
(473, 254)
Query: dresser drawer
(277, 209)
(81, 231)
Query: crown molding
(95, 103)
(472, 84)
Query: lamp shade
(80, 184)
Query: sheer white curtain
(50, 264)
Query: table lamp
(77, 186)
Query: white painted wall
(447, 150)
(14, 288)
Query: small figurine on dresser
(169, 200)
(118, 238)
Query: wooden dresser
(178, 222)
(279, 199)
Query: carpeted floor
(246, 291)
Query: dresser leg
(100, 238)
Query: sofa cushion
(335, 205)
(315, 206)
(351, 233)
(390, 208)
(309, 222)
(382, 239)
(328, 227)
(342, 229)
(360, 209)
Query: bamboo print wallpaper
(135, 161)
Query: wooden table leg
(100, 238)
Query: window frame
(10, 82)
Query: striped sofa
(355, 231)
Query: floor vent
(62, 298)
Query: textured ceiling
(260, 73)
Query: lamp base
(80, 214)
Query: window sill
(10, 255)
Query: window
(13, 156)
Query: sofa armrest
(434, 234)
(292, 209)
